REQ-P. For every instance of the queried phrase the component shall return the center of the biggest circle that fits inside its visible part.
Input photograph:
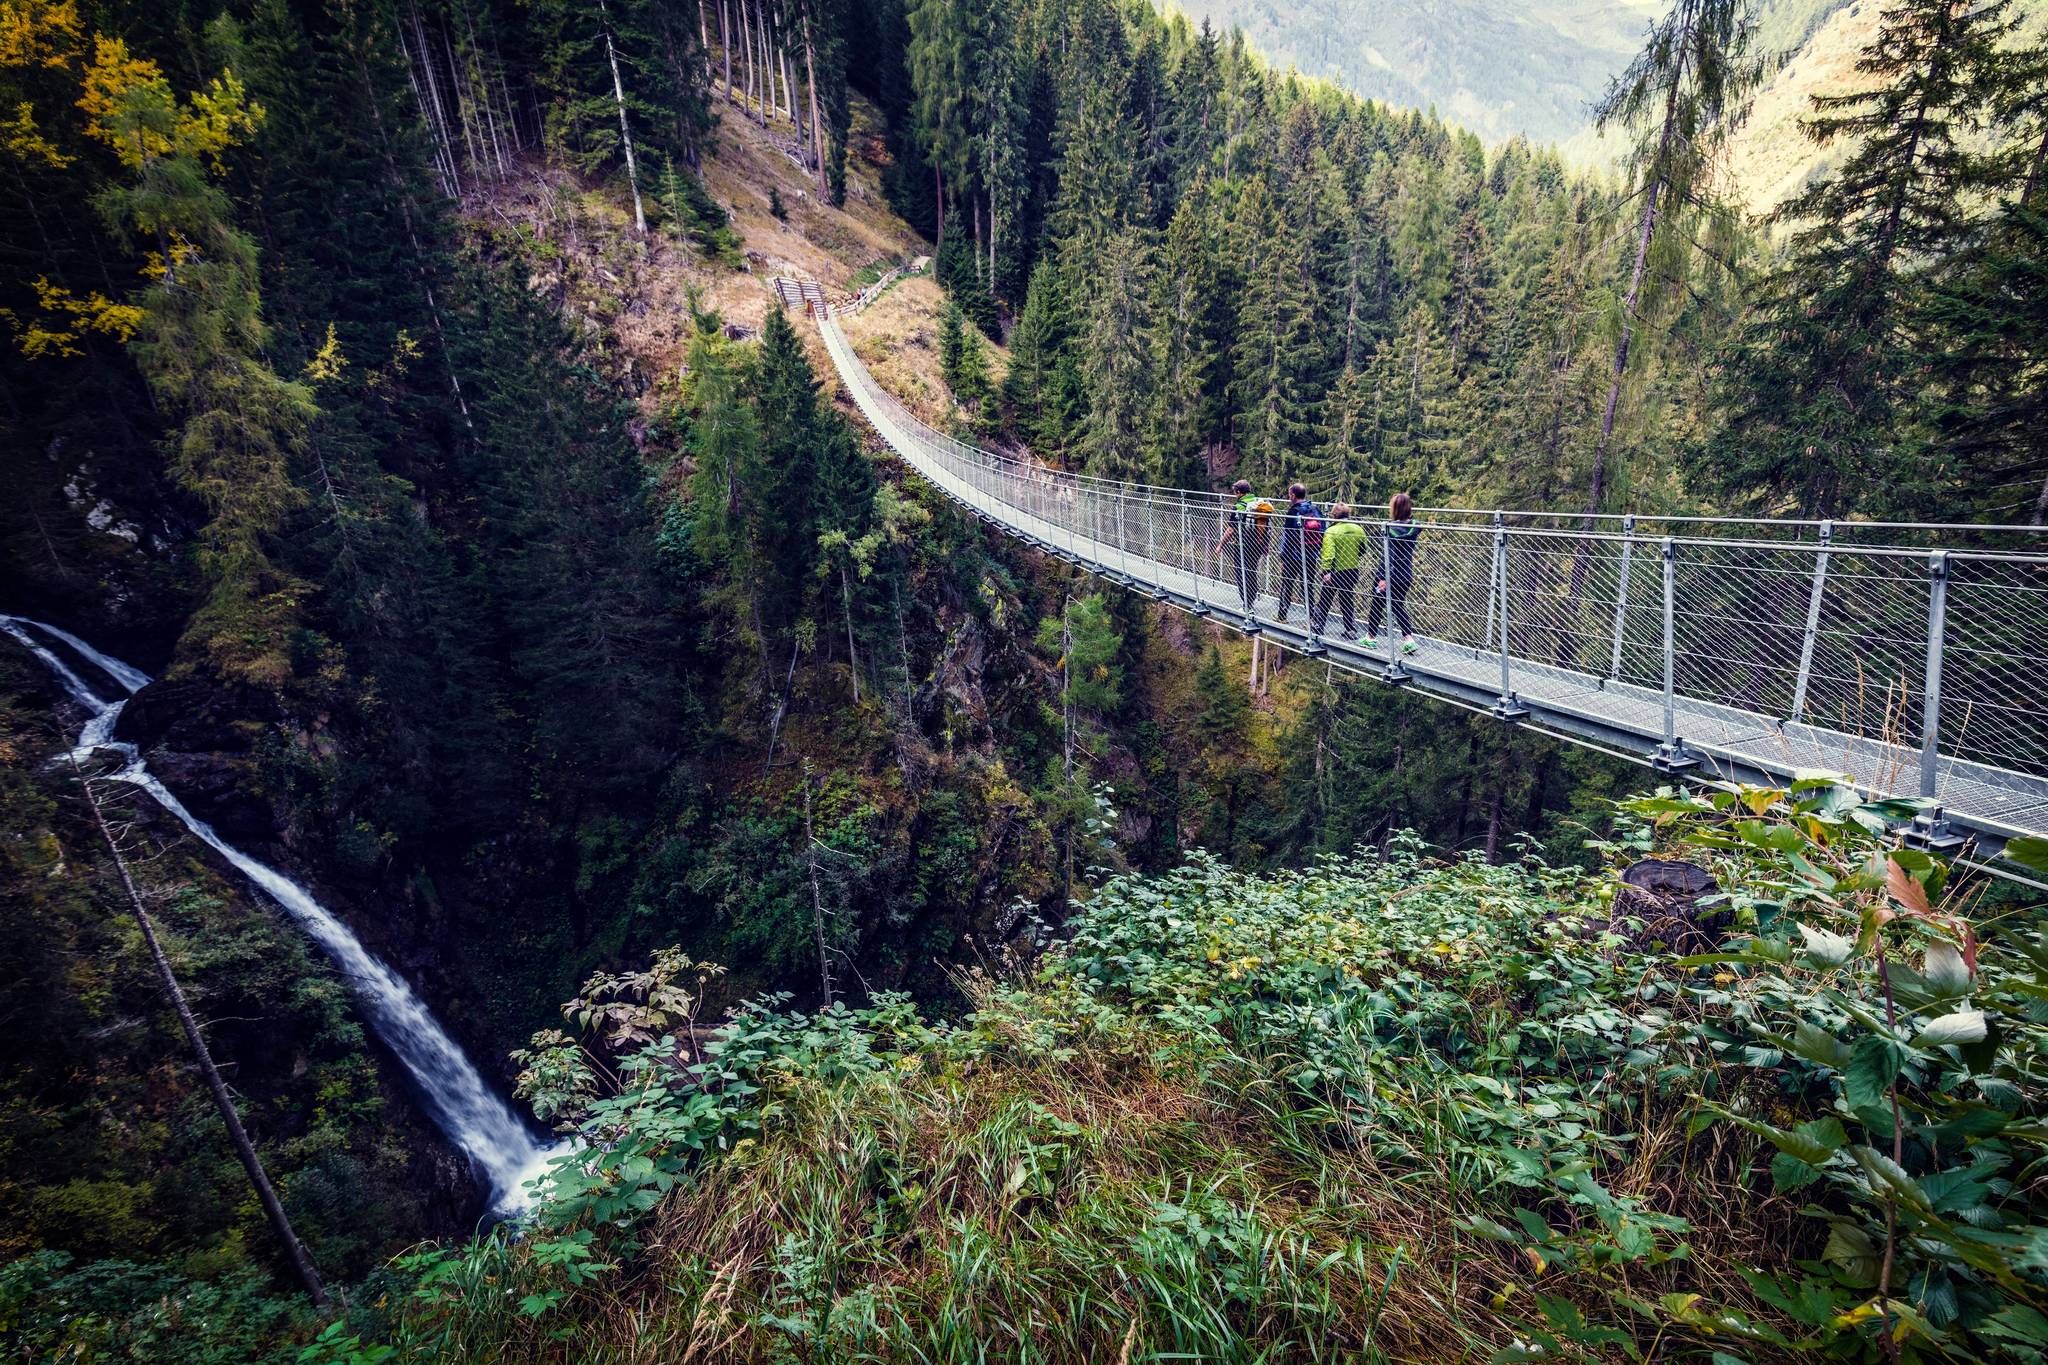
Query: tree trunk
(817, 895)
(266, 1194)
(767, 83)
(625, 131)
(817, 124)
(852, 655)
(725, 41)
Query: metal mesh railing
(1782, 645)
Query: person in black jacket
(1397, 572)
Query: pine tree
(1681, 96)
(569, 535)
(1043, 385)
(1279, 352)
(199, 338)
(1118, 370)
(1185, 414)
(1827, 359)
(1985, 328)
(1197, 112)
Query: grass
(1373, 1110)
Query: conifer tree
(1681, 97)
(1278, 353)
(1043, 385)
(200, 338)
(1118, 372)
(1827, 359)
(1185, 413)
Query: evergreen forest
(527, 834)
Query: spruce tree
(1118, 370)
(1043, 386)
(1680, 97)
(199, 338)
(1185, 412)
(1828, 360)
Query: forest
(958, 956)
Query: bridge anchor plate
(1930, 830)
(1674, 758)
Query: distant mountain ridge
(1498, 67)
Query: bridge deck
(1731, 741)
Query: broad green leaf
(1824, 947)
(1867, 1079)
(1963, 1026)
(1945, 970)
(2029, 851)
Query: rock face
(201, 740)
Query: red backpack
(1311, 528)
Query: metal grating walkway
(1752, 650)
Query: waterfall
(453, 1091)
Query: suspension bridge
(1912, 658)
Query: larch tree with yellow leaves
(199, 342)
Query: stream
(499, 1143)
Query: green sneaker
(1370, 642)
(1408, 645)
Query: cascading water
(453, 1091)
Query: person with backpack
(1247, 526)
(1343, 549)
(1301, 546)
(1397, 573)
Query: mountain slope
(1499, 67)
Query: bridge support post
(1628, 545)
(1507, 706)
(1672, 756)
(1315, 644)
(1393, 672)
(1187, 538)
(1930, 828)
(1820, 583)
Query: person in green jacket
(1343, 548)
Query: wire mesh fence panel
(1869, 654)
(1803, 641)
(1453, 598)
(1739, 614)
(1995, 662)
(1561, 597)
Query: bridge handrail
(1810, 638)
(1581, 523)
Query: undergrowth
(1372, 1110)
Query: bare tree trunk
(852, 656)
(817, 124)
(725, 41)
(817, 895)
(625, 131)
(753, 67)
(767, 90)
(266, 1193)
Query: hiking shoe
(1408, 645)
(1369, 641)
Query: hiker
(1343, 548)
(1247, 526)
(1397, 573)
(1301, 547)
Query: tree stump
(1664, 896)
